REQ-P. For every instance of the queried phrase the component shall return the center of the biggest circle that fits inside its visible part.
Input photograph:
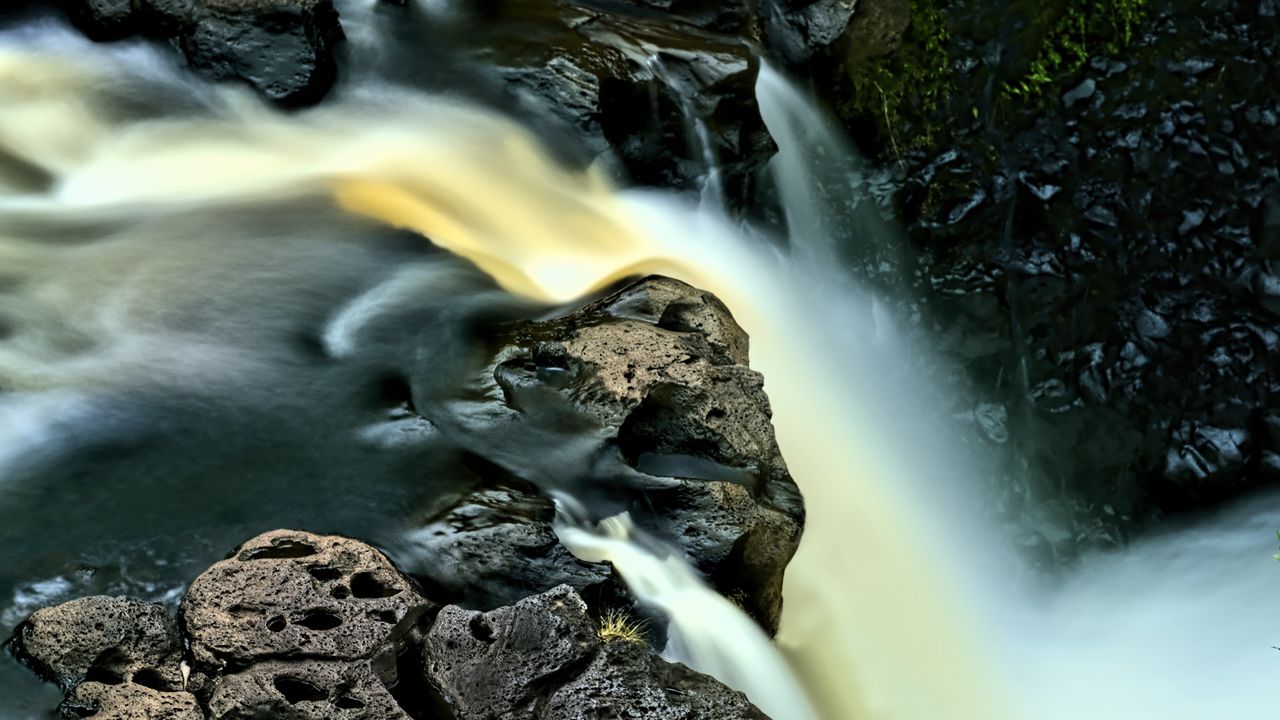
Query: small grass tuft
(619, 626)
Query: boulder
(129, 701)
(662, 368)
(499, 663)
(544, 658)
(283, 48)
(287, 594)
(103, 639)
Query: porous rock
(626, 681)
(110, 639)
(497, 664)
(129, 701)
(543, 658)
(306, 690)
(290, 594)
(662, 367)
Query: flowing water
(215, 318)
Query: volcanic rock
(288, 594)
(661, 367)
(104, 639)
(543, 658)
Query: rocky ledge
(300, 626)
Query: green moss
(908, 82)
(1071, 32)
(911, 95)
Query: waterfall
(705, 631)
(892, 609)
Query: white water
(891, 610)
(705, 631)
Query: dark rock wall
(1100, 254)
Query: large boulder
(283, 48)
(544, 658)
(288, 594)
(661, 368)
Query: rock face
(668, 88)
(543, 658)
(1103, 262)
(662, 367)
(283, 48)
(368, 646)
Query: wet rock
(1125, 325)
(795, 30)
(102, 639)
(628, 682)
(283, 48)
(544, 658)
(665, 88)
(289, 594)
(129, 701)
(662, 368)
(877, 27)
(496, 546)
(306, 690)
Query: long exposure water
(214, 318)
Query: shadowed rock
(543, 658)
(129, 701)
(283, 48)
(496, 546)
(309, 690)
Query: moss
(908, 82)
(1071, 33)
(910, 96)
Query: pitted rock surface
(291, 594)
(109, 639)
(129, 701)
(306, 690)
(497, 664)
(662, 367)
(625, 681)
(543, 658)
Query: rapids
(224, 309)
